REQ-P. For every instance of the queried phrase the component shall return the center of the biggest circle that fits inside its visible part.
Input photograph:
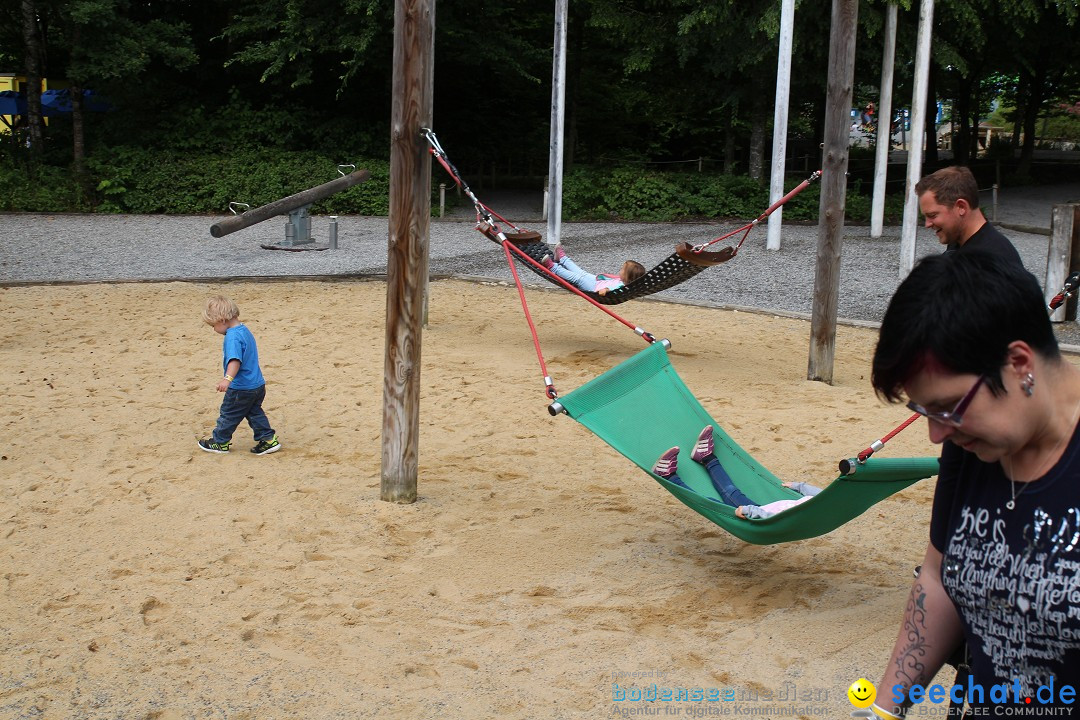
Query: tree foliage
(647, 80)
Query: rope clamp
(436, 148)
(552, 393)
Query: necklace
(1011, 504)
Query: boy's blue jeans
(240, 405)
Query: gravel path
(92, 248)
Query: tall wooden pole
(884, 124)
(918, 135)
(845, 15)
(780, 121)
(558, 115)
(409, 232)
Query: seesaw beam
(287, 204)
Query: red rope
(768, 211)
(508, 247)
(484, 213)
(877, 444)
(1069, 288)
(649, 337)
(550, 387)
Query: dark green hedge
(143, 181)
(630, 194)
(138, 181)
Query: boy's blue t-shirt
(240, 345)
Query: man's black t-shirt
(989, 239)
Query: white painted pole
(918, 136)
(558, 113)
(884, 124)
(780, 121)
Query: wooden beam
(845, 16)
(409, 235)
(1063, 256)
(287, 204)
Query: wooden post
(409, 232)
(1063, 256)
(780, 121)
(884, 125)
(845, 15)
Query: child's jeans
(569, 271)
(240, 405)
(730, 494)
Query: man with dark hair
(949, 201)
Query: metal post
(918, 134)
(558, 116)
(884, 121)
(333, 232)
(442, 199)
(780, 121)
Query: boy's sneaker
(704, 447)
(265, 447)
(667, 463)
(211, 446)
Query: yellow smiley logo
(861, 693)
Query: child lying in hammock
(703, 453)
(600, 284)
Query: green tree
(108, 41)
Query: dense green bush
(48, 189)
(629, 194)
(144, 181)
(141, 181)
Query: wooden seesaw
(297, 207)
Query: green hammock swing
(641, 408)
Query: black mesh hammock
(684, 263)
(680, 266)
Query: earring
(1028, 385)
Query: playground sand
(539, 575)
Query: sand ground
(539, 574)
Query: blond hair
(219, 309)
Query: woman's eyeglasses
(952, 418)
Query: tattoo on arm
(910, 663)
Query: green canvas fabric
(641, 408)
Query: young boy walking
(242, 384)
